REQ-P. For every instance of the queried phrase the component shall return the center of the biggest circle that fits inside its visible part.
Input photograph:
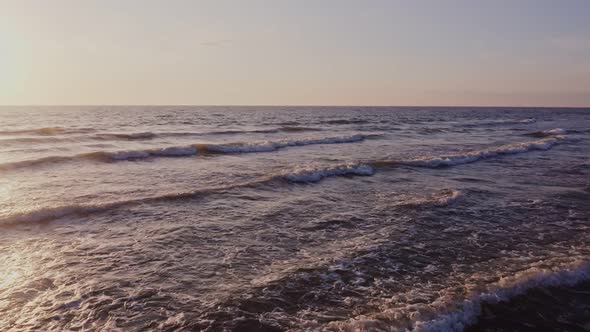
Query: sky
(299, 52)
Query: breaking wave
(51, 134)
(297, 176)
(317, 174)
(547, 133)
(151, 135)
(437, 317)
(443, 198)
(182, 151)
(174, 151)
(286, 129)
(301, 175)
(504, 290)
(269, 146)
(103, 157)
(470, 157)
(503, 122)
(48, 214)
(273, 146)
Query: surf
(182, 151)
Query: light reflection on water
(387, 248)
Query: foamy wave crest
(53, 213)
(470, 157)
(556, 131)
(547, 133)
(147, 135)
(299, 175)
(284, 128)
(180, 151)
(443, 198)
(451, 314)
(523, 121)
(102, 156)
(447, 197)
(267, 146)
(317, 174)
(504, 290)
(150, 135)
(175, 151)
(503, 122)
(273, 146)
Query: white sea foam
(150, 135)
(275, 145)
(316, 174)
(306, 174)
(175, 151)
(501, 122)
(467, 312)
(556, 131)
(299, 175)
(504, 290)
(53, 213)
(180, 151)
(547, 133)
(452, 160)
(267, 146)
(444, 198)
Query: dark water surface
(286, 218)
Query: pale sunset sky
(299, 52)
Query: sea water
(290, 218)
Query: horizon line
(285, 105)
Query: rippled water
(284, 218)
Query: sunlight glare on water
(283, 218)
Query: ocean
(294, 218)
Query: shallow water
(285, 218)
